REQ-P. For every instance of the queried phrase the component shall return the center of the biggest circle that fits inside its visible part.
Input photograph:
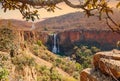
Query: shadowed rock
(106, 67)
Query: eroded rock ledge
(106, 67)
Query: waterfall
(58, 50)
(54, 50)
(55, 44)
(33, 26)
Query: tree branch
(40, 2)
(76, 6)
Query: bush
(45, 29)
(39, 42)
(3, 74)
(6, 39)
(88, 51)
(69, 79)
(78, 67)
(55, 76)
(48, 74)
(76, 75)
(35, 49)
(95, 49)
(24, 60)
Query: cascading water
(54, 50)
(58, 50)
(33, 26)
(55, 44)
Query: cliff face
(106, 67)
(67, 39)
(103, 39)
(32, 36)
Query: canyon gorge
(106, 40)
(47, 43)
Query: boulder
(106, 67)
(108, 63)
(86, 75)
(90, 74)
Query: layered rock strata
(106, 65)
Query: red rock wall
(101, 37)
(23, 36)
(68, 38)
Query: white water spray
(58, 50)
(54, 50)
(33, 26)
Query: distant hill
(16, 24)
(76, 20)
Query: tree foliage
(84, 54)
(26, 7)
(3, 74)
(6, 39)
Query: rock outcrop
(106, 67)
(104, 39)
(27, 35)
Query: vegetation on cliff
(6, 39)
(67, 65)
(31, 61)
(25, 62)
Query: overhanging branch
(40, 2)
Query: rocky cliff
(96, 36)
(106, 40)
(106, 67)
(27, 59)
(68, 39)
(32, 36)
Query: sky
(43, 13)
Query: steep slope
(28, 73)
(24, 57)
(42, 62)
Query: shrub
(45, 29)
(48, 74)
(3, 74)
(24, 60)
(44, 78)
(88, 51)
(35, 49)
(76, 75)
(55, 76)
(58, 61)
(4, 57)
(68, 79)
(78, 67)
(95, 49)
(6, 39)
(39, 42)
(83, 48)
